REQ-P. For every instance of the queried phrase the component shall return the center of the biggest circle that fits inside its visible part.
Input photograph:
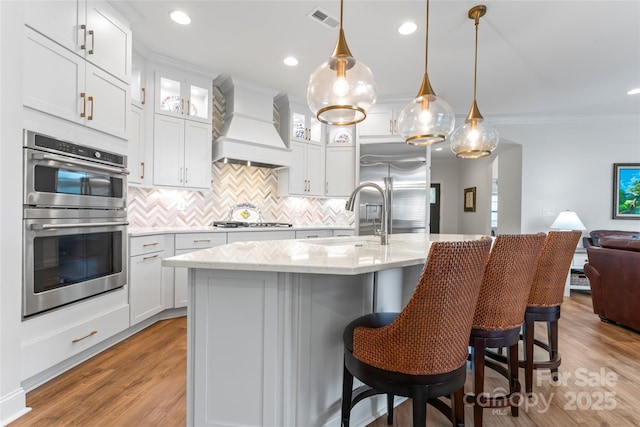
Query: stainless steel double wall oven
(74, 222)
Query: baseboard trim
(13, 406)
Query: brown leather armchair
(596, 235)
(614, 275)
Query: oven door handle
(81, 224)
(53, 157)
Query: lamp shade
(341, 91)
(568, 220)
(476, 138)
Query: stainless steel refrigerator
(402, 172)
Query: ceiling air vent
(323, 17)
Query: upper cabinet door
(183, 96)
(58, 20)
(198, 101)
(93, 30)
(108, 40)
(169, 99)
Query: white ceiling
(536, 58)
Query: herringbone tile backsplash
(231, 184)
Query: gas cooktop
(238, 224)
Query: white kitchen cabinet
(340, 171)
(305, 176)
(302, 125)
(53, 337)
(90, 29)
(313, 234)
(146, 275)
(59, 82)
(250, 236)
(138, 82)
(181, 153)
(190, 242)
(184, 96)
(344, 233)
(381, 123)
(136, 146)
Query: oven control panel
(52, 144)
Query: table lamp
(568, 220)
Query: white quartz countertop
(335, 255)
(143, 231)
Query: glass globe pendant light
(342, 89)
(477, 137)
(428, 119)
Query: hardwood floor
(141, 382)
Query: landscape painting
(626, 191)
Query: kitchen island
(265, 323)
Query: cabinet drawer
(48, 350)
(200, 240)
(579, 260)
(249, 236)
(311, 234)
(343, 233)
(146, 244)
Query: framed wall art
(626, 191)
(470, 199)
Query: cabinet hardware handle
(90, 334)
(150, 244)
(202, 241)
(93, 42)
(94, 166)
(144, 96)
(182, 106)
(91, 113)
(180, 174)
(188, 107)
(149, 257)
(84, 36)
(84, 104)
(390, 126)
(312, 236)
(308, 134)
(38, 227)
(142, 166)
(186, 175)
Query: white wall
(12, 396)
(509, 189)
(445, 173)
(568, 164)
(555, 165)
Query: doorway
(434, 211)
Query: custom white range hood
(247, 135)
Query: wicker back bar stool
(544, 302)
(422, 351)
(499, 316)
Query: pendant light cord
(475, 66)
(426, 41)
(341, 6)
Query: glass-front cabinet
(305, 127)
(186, 97)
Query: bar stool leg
(512, 353)
(478, 381)
(347, 391)
(528, 353)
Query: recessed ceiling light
(634, 91)
(407, 28)
(291, 61)
(179, 17)
(438, 149)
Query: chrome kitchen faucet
(384, 234)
